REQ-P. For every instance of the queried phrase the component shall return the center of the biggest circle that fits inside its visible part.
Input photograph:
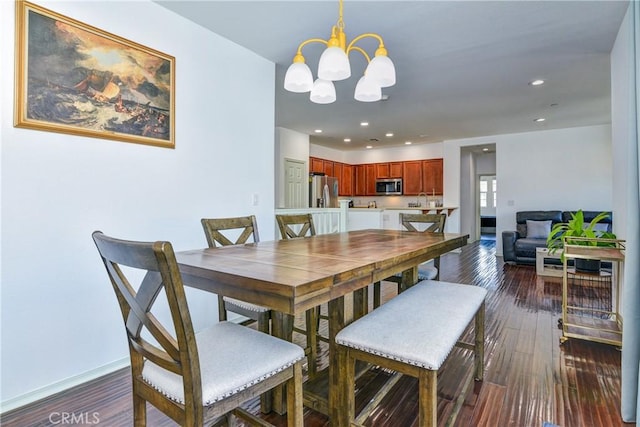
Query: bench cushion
(418, 327)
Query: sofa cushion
(526, 248)
(538, 229)
(523, 216)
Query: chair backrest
(432, 223)
(178, 355)
(217, 230)
(303, 223)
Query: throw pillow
(538, 229)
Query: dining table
(293, 275)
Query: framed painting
(76, 79)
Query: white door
(296, 184)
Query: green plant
(577, 228)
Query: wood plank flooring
(529, 377)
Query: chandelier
(334, 65)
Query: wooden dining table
(292, 276)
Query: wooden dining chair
(220, 232)
(425, 223)
(293, 227)
(194, 378)
(237, 231)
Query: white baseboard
(59, 386)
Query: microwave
(389, 186)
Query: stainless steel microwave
(389, 186)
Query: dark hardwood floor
(529, 377)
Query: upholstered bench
(413, 334)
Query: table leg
(336, 323)
(281, 327)
(360, 302)
(409, 278)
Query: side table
(543, 269)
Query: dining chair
(293, 227)
(220, 232)
(237, 231)
(195, 378)
(430, 270)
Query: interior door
(296, 184)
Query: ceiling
(463, 67)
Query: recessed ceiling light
(347, 140)
(369, 146)
(539, 119)
(407, 143)
(537, 82)
(485, 149)
(318, 131)
(388, 134)
(364, 123)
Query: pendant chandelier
(334, 65)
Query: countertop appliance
(389, 186)
(323, 191)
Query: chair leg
(139, 411)
(312, 315)
(479, 344)
(428, 398)
(295, 414)
(222, 311)
(266, 404)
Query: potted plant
(576, 227)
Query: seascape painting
(74, 78)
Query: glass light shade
(367, 90)
(381, 70)
(323, 92)
(298, 78)
(334, 65)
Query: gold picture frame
(77, 79)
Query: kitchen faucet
(426, 199)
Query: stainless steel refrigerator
(323, 191)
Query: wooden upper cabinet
(316, 165)
(371, 179)
(346, 180)
(382, 170)
(395, 170)
(328, 168)
(433, 177)
(361, 180)
(412, 177)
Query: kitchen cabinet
(432, 177)
(346, 180)
(389, 170)
(382, 170)
(361, 180)
(412, 177)
(395, 170)
(365, 180)
(371, 179)
(419, 176)
(316, 165)
(327, 168)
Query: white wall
(564, 169)
(60, 317)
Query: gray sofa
(519, 246)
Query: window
(483, 193)
(494, 188)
